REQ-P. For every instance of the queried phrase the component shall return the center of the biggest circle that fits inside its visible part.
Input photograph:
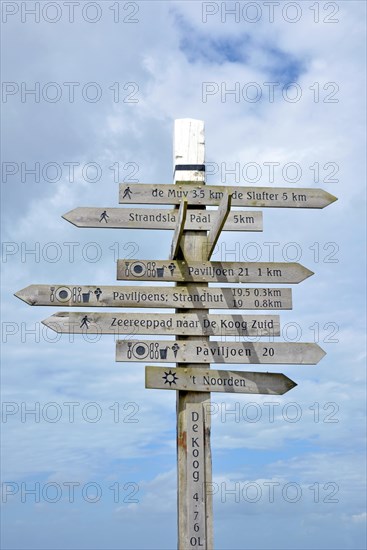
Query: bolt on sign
(196, 231)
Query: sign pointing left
(156, 296)
(161, 218)
(185, 324)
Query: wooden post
(194, 468)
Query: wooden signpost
(196, 232)
(194, 463)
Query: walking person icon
(127, 193)
(85, 322)
(104, 216)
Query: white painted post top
(189, 150)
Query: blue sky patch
(279, 65)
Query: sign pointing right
(199, 351)
(217, 380)
(211, 195)
(211, 272)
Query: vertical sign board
(196, 476)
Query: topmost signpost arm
(211, 195)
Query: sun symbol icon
(170, 378)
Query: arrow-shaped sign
(154, 218)
(211, 272)
(189, 324)
(182, 297)
(211, 195)
(246, 353)
(228, 381)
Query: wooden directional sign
(211, 272)
(182, 297)
(174, 324)
(217, 381)
(211, 195)
(144, 218)
(246, 353)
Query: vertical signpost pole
(194, 468)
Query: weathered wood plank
(161, 219)
(212, 272)
(219, 221)
(228, 381)
(156, 296)
(211, 195)
(176, 240)
(198, 323)
(246, 353)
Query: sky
(281, 89)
